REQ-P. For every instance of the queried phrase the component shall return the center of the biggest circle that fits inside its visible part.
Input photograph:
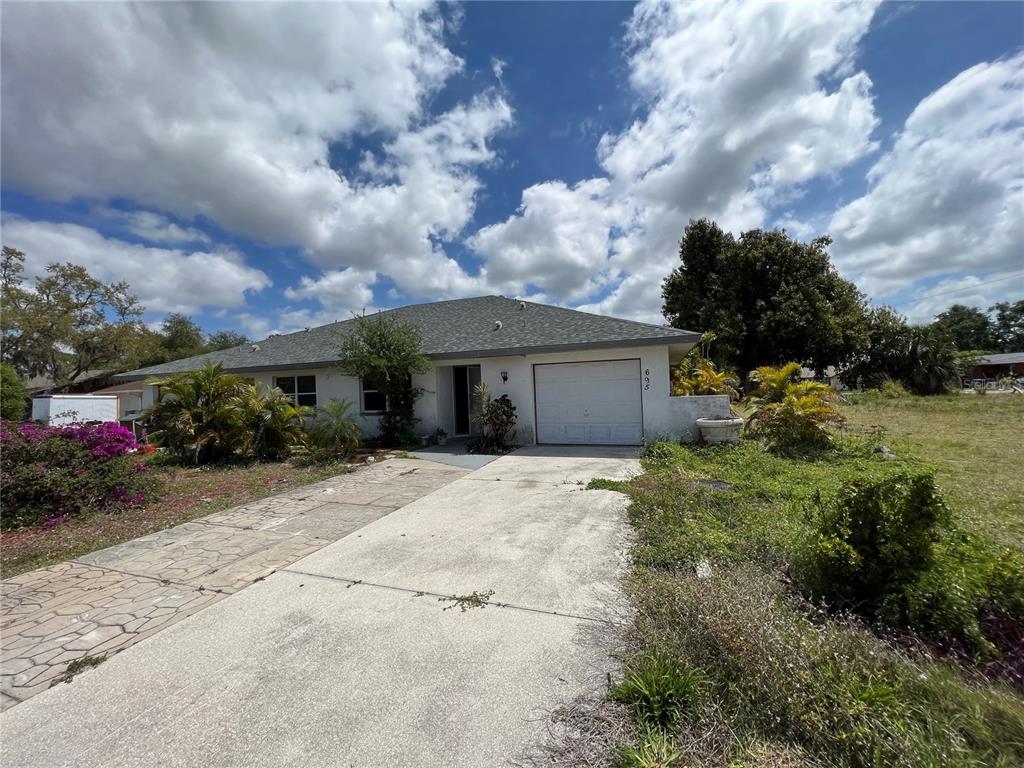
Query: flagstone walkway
(105, 601)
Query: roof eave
(674, 339)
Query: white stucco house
(574, 377)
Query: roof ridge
(607, 317)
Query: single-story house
(997, 366)
(574, 377)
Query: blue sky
(268, 167)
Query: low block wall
(684, 411)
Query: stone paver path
(110, 599)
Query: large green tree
(225, 340)
(68, 323)
(385, 354)
(13, 397)
(922, 357)
(1008, 328)
(969, 327)
(768, 298)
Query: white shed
(61, 410)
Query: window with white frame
(372, 400)
(301, 389)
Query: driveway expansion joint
(441, 596)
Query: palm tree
(334, 431)
(192, 418)
(266, 422)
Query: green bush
(49, 474)
(266, 422)
(209, 416)
(871, 540)
(792, 416)
(892, 390)
(496, 418)
(13, 396)
(333, 432)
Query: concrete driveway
(438, 635)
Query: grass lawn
(728, 663)
(975, 443)
(187, 493)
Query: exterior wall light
(504, 377)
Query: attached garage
(594, 403)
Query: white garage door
(589, 403)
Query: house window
(373, 400)
(301, 389)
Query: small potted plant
(441, 437)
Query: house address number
(647, 378)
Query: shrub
(13, 395)
(891, 390)
(267, 423)
(799, 422)
(695, 375)
(193, 418)
(496, 419)
(873, 539)
(385, 354)
(209, 416)
(333, 432)
(53, 473)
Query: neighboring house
(830, 376)
(573, 377)
(999, 365)
(87, 382)
(129, 398)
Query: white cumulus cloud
(164, 279)
(948, 198)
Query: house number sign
(647, 378)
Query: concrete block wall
(684, 412)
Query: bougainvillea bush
(52, 473)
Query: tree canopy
(1008, 327)
(69, 322)
(922, 357)
(969, 327)
(768, 298)
(385, 354)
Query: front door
(465, 379)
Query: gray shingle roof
(1003, 358)
(456, 328)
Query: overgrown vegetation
(385, 354)
(210, 416)
(834, 606)
(13, 395)
(334, 433)
(696, 374)
(496, 419)
(50, 474)
(791, 416)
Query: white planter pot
(716, 431)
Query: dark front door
(460, 382)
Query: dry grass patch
(973, 442)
